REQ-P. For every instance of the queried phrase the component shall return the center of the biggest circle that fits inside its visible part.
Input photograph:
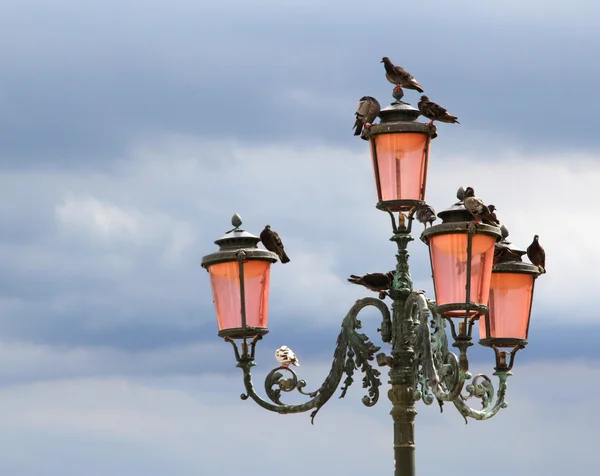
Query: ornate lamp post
(475, 279)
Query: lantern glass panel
(401, 161)
(510, 306)
(449, 263)
(225, 282)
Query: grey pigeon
(273, 243)
(476, 206)
(366, 112)
(378, 282)
(435, 112)
(537, 254)
(399, 76)
(425, 214)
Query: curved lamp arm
(439, 372)
(353, 350)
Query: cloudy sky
(131, 131)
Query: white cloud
(192, 426)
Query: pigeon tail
(355, 279)
(358, 125)
(284, 257)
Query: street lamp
(471, 284)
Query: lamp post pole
(477, 277)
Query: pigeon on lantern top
(536, 254)
(425, 214)
(285, 356)
(399, 76)
(435, 112)
(502, 253)
(378, 282)
(366, 112)
(491, 219)
(273, 243)
(477, 207)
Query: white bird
(285, 356)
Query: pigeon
(435, 112)
(378, 282)
(491, 219)
(504, 233)
(285, 356)
(273, 243)
(367, 111)
(399, 76)
(476, 206)
(503, 253)
(425, 214)
(536, 254)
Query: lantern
(400, 153)
(461, 254)
(511, 295)
(239, 277)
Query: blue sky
(130, 132)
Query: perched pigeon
(273, 243)
(503, 253)
(504, 233)
(476, 206)
(399, 76)
(378, 282)
(536, 254)
(425, 214)
(367, 111)
(492, 219)
(285, 356)
(435, 112)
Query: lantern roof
(235, 241)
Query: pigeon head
(492, 208)
(385, 59)
(536, 238)
(469, 192)
(267, 227)
(424, 98)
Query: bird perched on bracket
(476, 207)
(378, 282)
(273, 243)
(367, 111)
(399, 76)
(537, 254)
(435, 112)
(425, 214)
(285, 356)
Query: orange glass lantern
(400, 154)
(462, 255)
(239, 277)
(511, 295)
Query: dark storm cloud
(79, 83)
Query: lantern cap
(516, 267)
(237, 244)
(400, 117)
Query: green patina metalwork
(422, 366)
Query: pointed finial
(460, 193)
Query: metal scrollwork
(437, 369)
(353, 351)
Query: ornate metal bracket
(353, 351)
(441, 374)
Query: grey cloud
(76, 99)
